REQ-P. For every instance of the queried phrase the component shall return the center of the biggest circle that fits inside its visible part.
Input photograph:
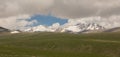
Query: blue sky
(48, 20)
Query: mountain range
(77, 28)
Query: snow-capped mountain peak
(94, 26)
(79, 27)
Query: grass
(60, 45)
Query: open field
(60, 45)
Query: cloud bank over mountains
(17, 22)
(103, 12)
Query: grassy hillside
(60, 45)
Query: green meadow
(60, 45)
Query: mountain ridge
(2, 29)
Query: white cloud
(55, 26)
(13, 12)
(17, 22)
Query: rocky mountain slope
(4, 30)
